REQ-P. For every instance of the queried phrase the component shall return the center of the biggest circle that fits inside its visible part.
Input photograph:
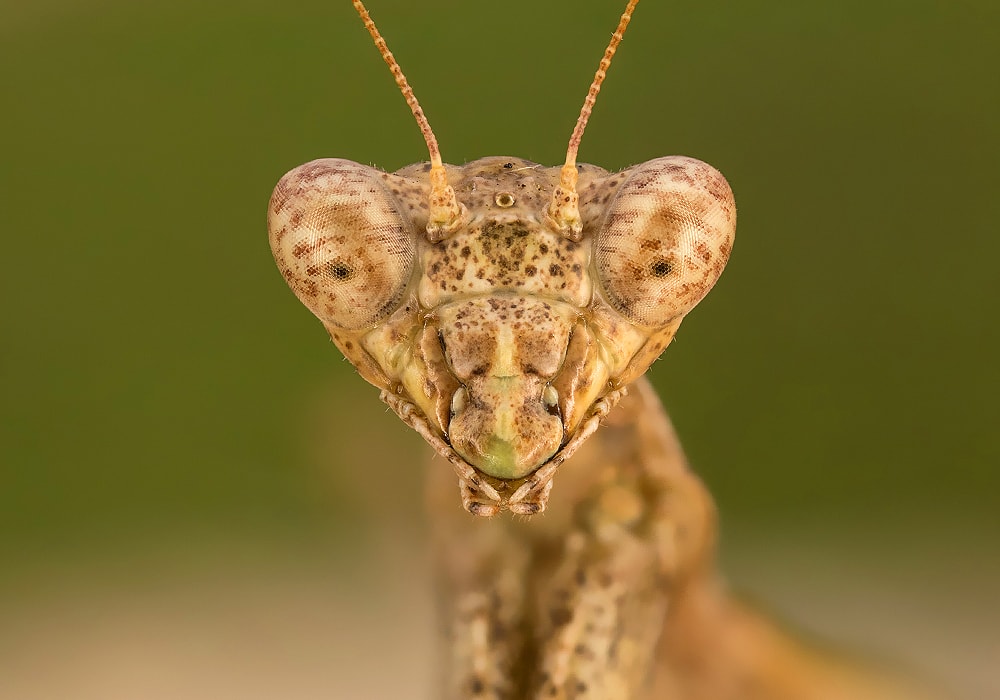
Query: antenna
(446, 212)
(564, 211)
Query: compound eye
(341, 242)
(665, 239)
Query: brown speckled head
(503, 342)
(502, 306)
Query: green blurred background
(177, 433)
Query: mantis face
(501, 336)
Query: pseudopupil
(340, 270)
(661, 268)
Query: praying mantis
(508, 312)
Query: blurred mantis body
(507, 310)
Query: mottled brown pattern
(505, 343)
(503, 293)
(341, 242)
(503, 313)
(630, 527)
(668, 221)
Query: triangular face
(503, 341)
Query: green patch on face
(500, 460)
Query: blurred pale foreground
(310, 625)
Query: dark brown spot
(340, 270)
(560, 616)
(478, 508)
(661, 268)
(303, 249)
